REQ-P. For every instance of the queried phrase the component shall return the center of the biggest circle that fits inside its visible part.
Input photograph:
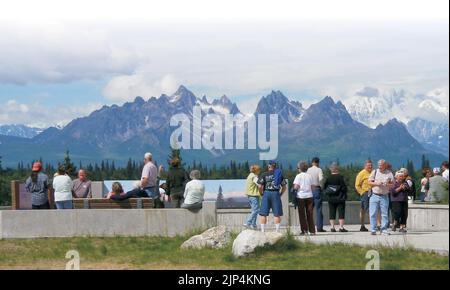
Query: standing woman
(37, 185)
(303, 184)
(399, 198)
(425, 184)
(177, 178)
(336, 190)
(62, 184)
(254, 196)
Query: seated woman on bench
(194, 192)
(116, 190)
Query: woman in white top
(303, 184)
(62, 184)
(194, 192)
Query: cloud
(368, 92)
(37, 115)
(57, 52)
(127, 87)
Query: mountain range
(326, 129)
(426, 116)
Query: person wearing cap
(82, 186)
(62, 184)
(272, 186)
(37, 185)
(317, 177)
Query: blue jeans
(422, 196)
(254, 205)
(64, 204)
(318, 206)
(379, 203)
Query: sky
(63, 59)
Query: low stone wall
(105, 222)
(428, 217)
(172, 222)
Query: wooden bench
(104, 203)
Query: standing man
(317, 177)
(381, 181)
(272, 186)
(82, 186)
(362, 187)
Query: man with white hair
(381, 180)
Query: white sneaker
(385, 233)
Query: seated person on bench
(116, 190)
(194, 192)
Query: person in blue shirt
(272, 186)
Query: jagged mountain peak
(277, 103)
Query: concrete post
(209, 214)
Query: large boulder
(216, 238)
(247, 241)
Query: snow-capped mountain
(432, 135)
(276, 103)
(372, 107)
(117, 132)
(426, 114)
(18, 130)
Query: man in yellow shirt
(362, 187)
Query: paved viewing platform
(437, 242)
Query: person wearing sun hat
(272, 186)
(37, 185)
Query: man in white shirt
(381, 181)
(444, 167)
(317, 182)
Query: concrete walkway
(437, 242)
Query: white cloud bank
(36, 115)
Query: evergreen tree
(70, 167)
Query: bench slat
(103, 203)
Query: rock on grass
(247, 241)
(215, 238)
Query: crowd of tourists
(382, 192)
(181, 190)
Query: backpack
(293, 197)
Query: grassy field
(165, 253)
